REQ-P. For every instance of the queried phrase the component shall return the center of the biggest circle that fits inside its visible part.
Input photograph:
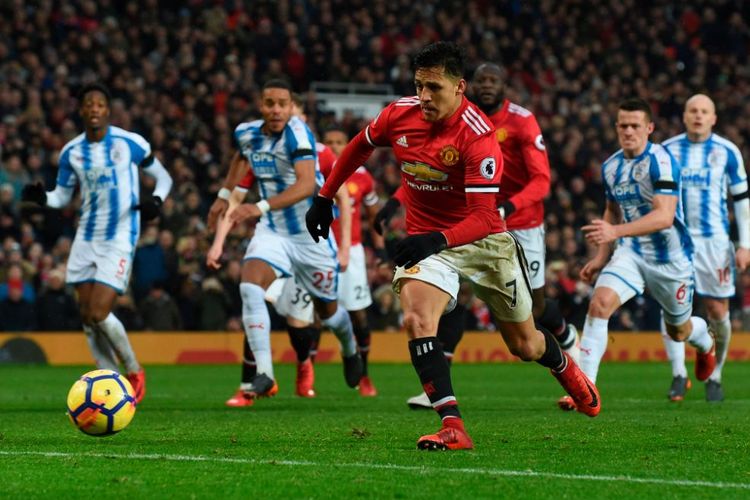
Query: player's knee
(680, 333)
(417, 325)
(601, 306)
(716, 310)
(97, 314)
(85, 311)
(359, 318)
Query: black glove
(506, 209)
(414, 248)
(34, 193)
(381, 256)
(385, 214)
(319, 218)
(150, 209)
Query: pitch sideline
(395, 467)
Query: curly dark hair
(94, 87)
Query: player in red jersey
(451, 167)
(354, 289)
(525, 183)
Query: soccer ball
(101, 403)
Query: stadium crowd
(184, 74)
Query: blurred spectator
(127, 313)
(385, 313)
(16, 313)
(149, 264)
(159, 310)
(214, 306)
(230, 280)
(56, 308)
(14, 277)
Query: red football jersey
(526, 177)
(361, 188)
(442, 163)
(326, 158)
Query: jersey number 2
(323, 281)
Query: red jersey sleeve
(358, 150)
(537, 165)
(326, 159)
(400, 196)
(484, 168)
(369, 196)
(247, 181)
(378, 131)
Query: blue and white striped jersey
(707, 168)
(272, 158)
(107, 172)
(632, 183)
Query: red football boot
(262, 386)
(366, 387)
(240, 398)
(305, 379)
(138, 381)
(705, 363)
(566, 403)
(581, 389)
(452, 436)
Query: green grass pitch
(184, 443)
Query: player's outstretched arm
(224, 226)
(537, 165)
(302, 188)
(344, 201)
(58, 197)
(741, 200)
(151, 208)
(660, 217)
(612, 215)
(238, 168)
(377, 222)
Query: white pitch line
(395, 467)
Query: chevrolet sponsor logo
(423, 172)
(428, 187)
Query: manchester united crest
(449, 155)
(412, 270)
(501, 134)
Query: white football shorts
(354, 290)
(495, 266)
(532, 242)
(714, 268)
(102, 262)
(672, 284)
(291, 300)
(314, 265)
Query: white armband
(263, 206)
(223, 193)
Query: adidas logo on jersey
(402, 141)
